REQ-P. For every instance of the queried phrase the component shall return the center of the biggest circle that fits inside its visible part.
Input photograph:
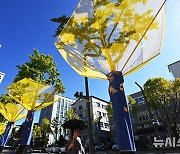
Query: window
(66, 104)
(104, 114)
(139, 126)
(80, 108)
(106, 125)
(140, 119)
(140, 100)
(154, 116)
(132, 120)
(101, 124)
(103, 106)
(142, 116)
(98, 104)
(80, 115)
(62, 102)
(98, 113)
(74, 110)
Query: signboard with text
(1, 76)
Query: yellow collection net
(2, 128)
(112, 35)
(31, 94)
(12, 112)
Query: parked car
(101, 146)
(53, 148)
(62, 149)
(115, 147)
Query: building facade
(57, 111)
(143, 125)
(101, 129)
(174, 69)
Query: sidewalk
(158, 151)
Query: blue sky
(25, 24)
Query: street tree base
(1, 149)
(22, 149)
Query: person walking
(74, 145)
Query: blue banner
(27, 129)
(6, 135)
(122, 120)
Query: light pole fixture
(91, 149)
(89, 121)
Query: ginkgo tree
(108, 39)
(163, 97)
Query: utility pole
(149, 110)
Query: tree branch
(120, 55)
(165, 123)
(115, 26)
(168, 119)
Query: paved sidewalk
(158, 151)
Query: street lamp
(80, 95)
(91, 149)
(149, 110)
(89, 121)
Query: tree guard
(121, 112)
(6, 135)
(27, 129)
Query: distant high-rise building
(57, 111)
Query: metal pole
(91, 149)
(149, 110)
(90, 133)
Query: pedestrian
(74, 145)
(61, 141)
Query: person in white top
(74, 145)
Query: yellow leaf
(80, 18)
(95, 25)
(67, 38)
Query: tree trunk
(174, 132)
